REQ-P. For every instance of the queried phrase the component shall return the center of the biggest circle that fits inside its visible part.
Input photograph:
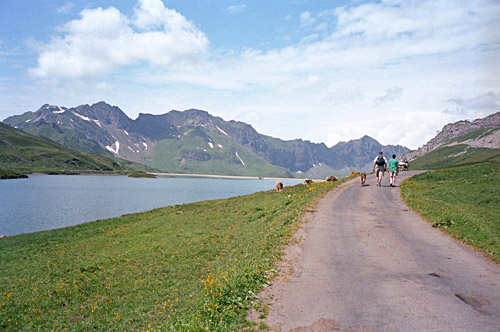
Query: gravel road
(366, 262)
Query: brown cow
(279, 186)
(331, 178)
(308, 181)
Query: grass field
(464, 201)
(193, 267)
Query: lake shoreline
(215, 176)
(45, 202)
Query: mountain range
(193, 141)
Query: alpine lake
(44, 202)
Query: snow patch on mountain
(60, 110)
(82, 117)
(114, 148)
(238, 156)
(222, 131)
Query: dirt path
(368, 263)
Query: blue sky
(324, 71)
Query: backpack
(380, 161)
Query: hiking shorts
(393, 173)
(380, 169)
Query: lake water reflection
(45, 202)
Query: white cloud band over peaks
(397, 70)
(103, 39)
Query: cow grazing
(331, 178)
(279, 186)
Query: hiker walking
(381, 163)
(393, 170)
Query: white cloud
(390, 95)
(306, 19)
(236, 9)
(394, 62)
(102, 40)
(395, 70)
(476, 106)
(66, 8)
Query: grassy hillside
(194, 267)
(23, 153)
(460, 154)
(464, 201)
(192, 153)
(462, 150)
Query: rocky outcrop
(455, 130)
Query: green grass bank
(193, 267)
(464, 201)
(9, 174)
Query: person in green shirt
(393, 169)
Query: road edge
(292, 252)
(443, 231)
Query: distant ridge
(193, 141)
(459, 143)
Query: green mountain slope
(67, 137)
(460, 154)
(476, 146)
(24, 153)
(199, 152)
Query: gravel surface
(365, 262)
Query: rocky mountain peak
(365, 142)
(104, 113)
(190, 118)
(197, 113)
